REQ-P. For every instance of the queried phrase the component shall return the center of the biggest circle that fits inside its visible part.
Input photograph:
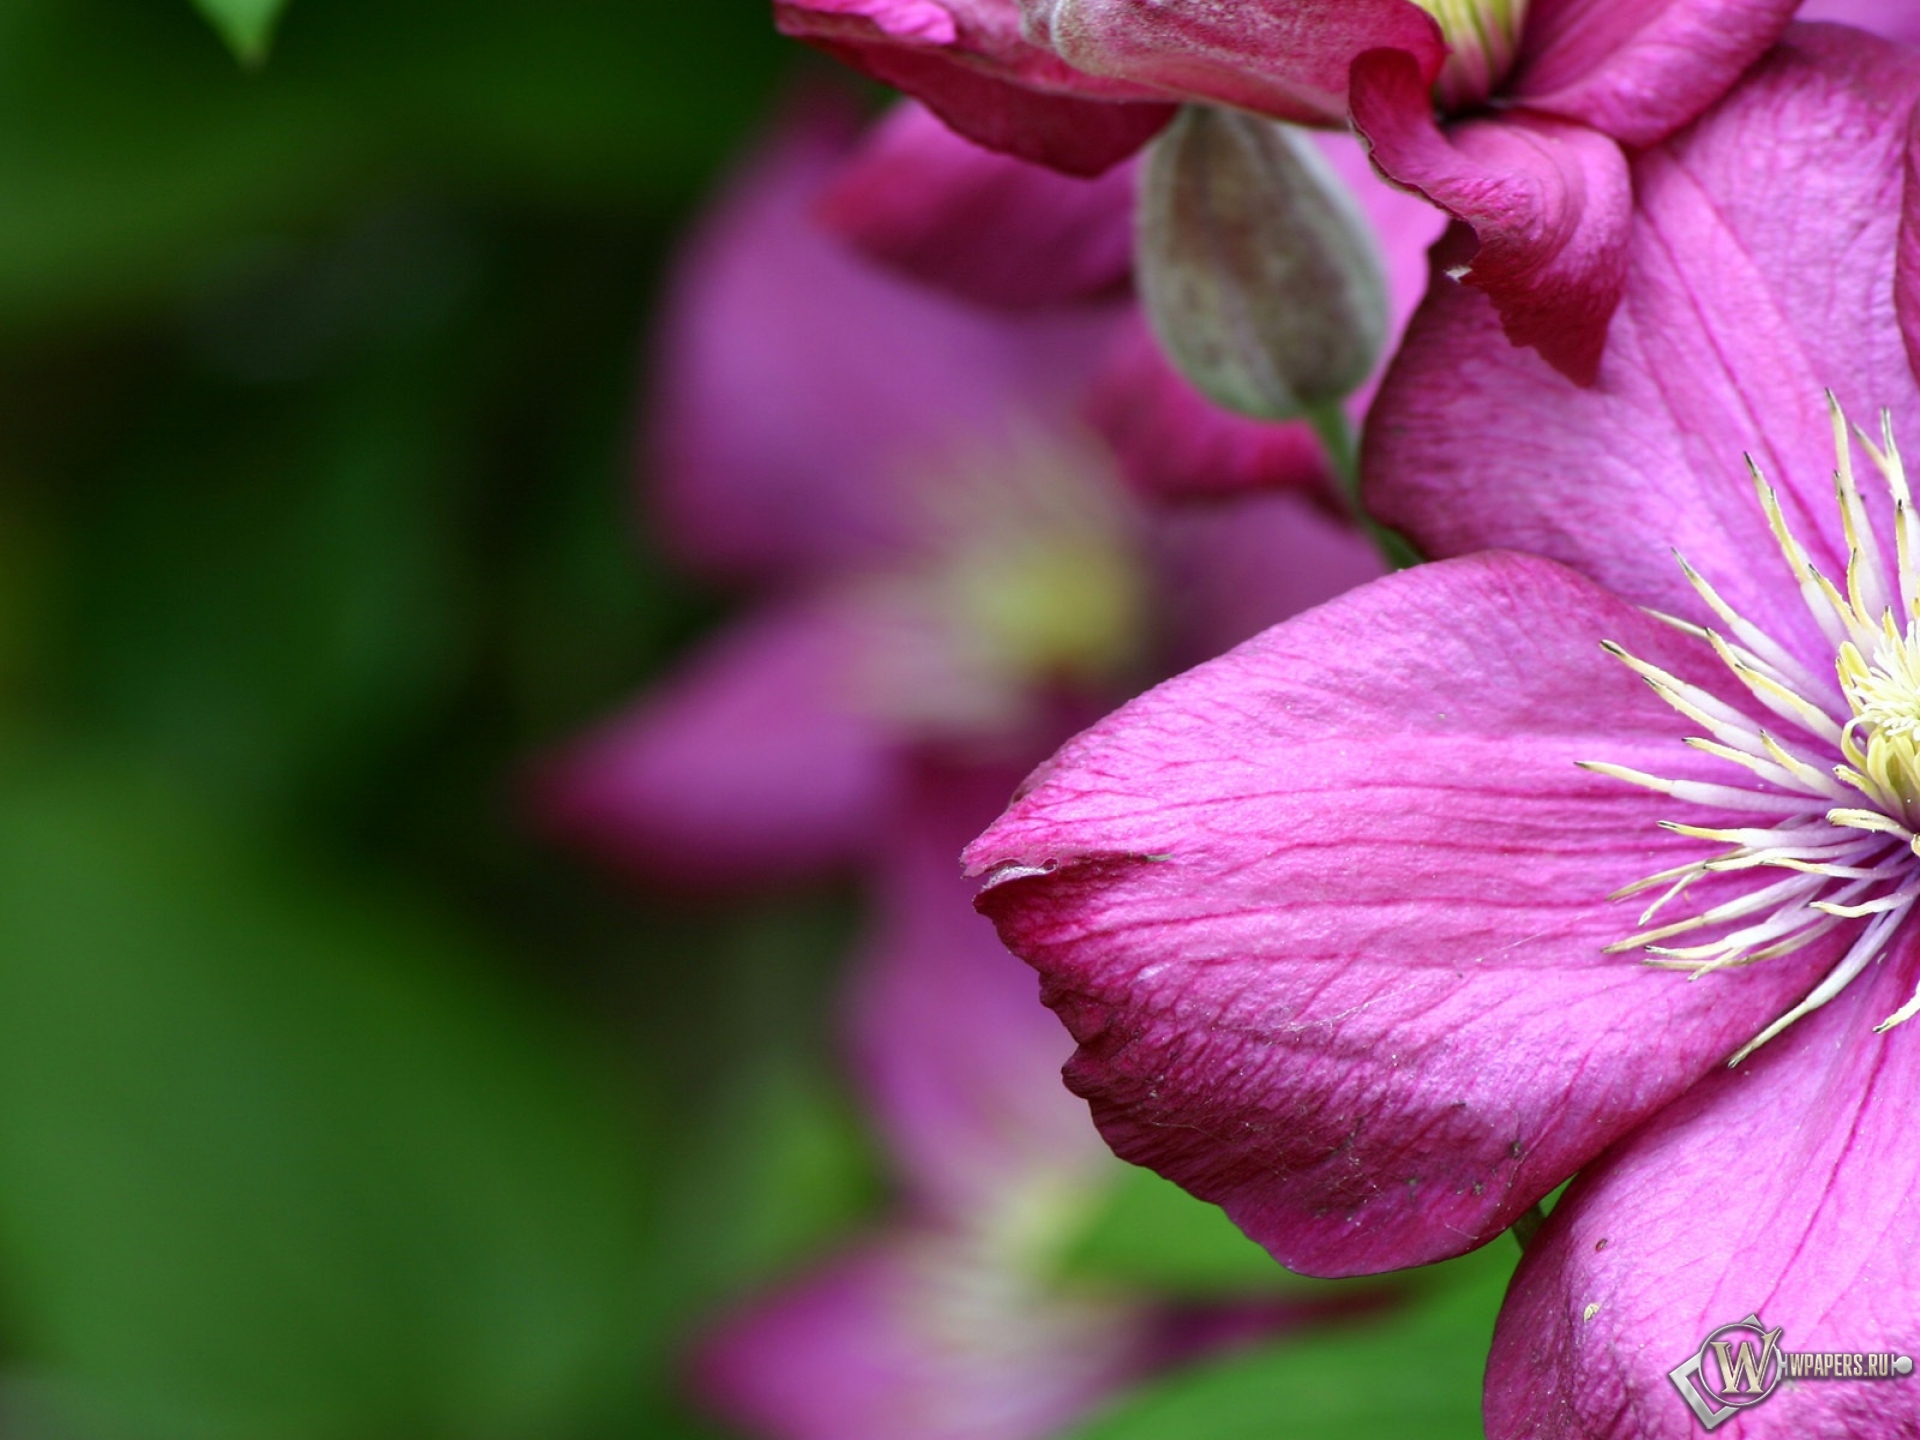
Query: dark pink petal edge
(1549, 202)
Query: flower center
(1032, 581)
(1484, 36)
(1884, 692)
(1839, 806)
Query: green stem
(1528, 1225)
(1329, 422)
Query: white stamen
(1845, 861)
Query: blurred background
(332, 1103)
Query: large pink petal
(1284, 58)
(1639, 69)
(1326, 915)
(1738, 309)
(942, 210)
(1785, 1188)
(903, 1340)
(958, 1057)
(755, 762)
(1549, 202)
(807, 403)
(1234, 568)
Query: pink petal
(755, 762)
(1173, 441)
(989, 36)
(1234, 568)
(1906, 255)
(1736, 314)
(957, 1056)
(968, 61)
(1637, 70)
(807, 401)
(1404, 226)
(1785, 1188)
(1895, 19)
(886, 1344)
(1549, 202)
(1284, 58)
(1326, 915)
(939, 209)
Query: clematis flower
(962, 1319)
(1379, 927)
(1538, 101)
(947, 553)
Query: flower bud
(1483, 36)
(1256, 267)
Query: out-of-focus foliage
(1412, 1371)
(246, 25)
(1154, 1237)
(276, 1155)
(330, 1104)
(139, 155)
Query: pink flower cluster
(1587, 849)
(968, 507)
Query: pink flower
(955, 1321)
(946, 556)
(1329, 917)
(1539, 100)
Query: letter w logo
(1743, 1363)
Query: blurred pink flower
(1329, 917)
(926, 498)
(960, 1319)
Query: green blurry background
(331, 1104)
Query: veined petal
(941, 210)
(1731, 324)
(1284, 58)
(1549, 203)
(1638, 70)
(1326, 916)
(1784, 1188)
(754, 762)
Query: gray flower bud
(1257, 269)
